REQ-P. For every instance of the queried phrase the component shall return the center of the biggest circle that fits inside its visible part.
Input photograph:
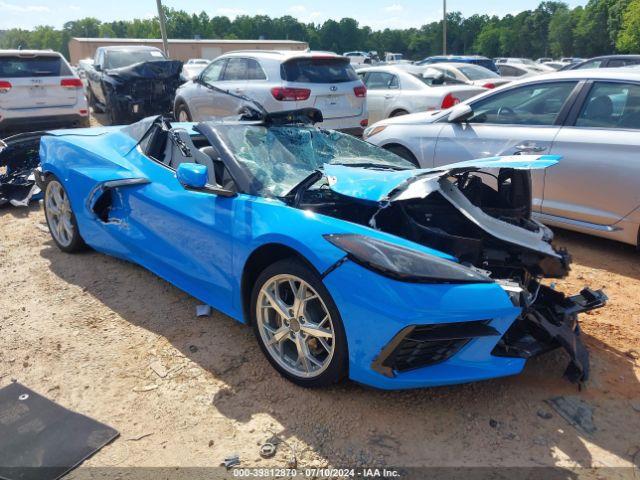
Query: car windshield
(279, 158)
(476, 72)
(124, 58)
(36, 66)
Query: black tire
(404, 153)
(337, 367)
(114, 116)
(182, 108)
(398, 113)
(76, 243)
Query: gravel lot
(85, 330)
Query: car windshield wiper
(383, 166)
(261, 110)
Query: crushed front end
(19, 156)
(462, 329)
(142, 89)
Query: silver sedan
(589, 117)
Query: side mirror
(460, 113)
(97, 67)
(192, 175)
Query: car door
(234, 79)
(182, 235)
(383, 89)
(597, 179)
(521, 120)
(202, 100)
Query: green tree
(628, 40)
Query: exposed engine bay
(511, 248)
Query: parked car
(472, 74)
(129, 83)
(278, 224)
(83, 65)
(589, 117)
(525, 63)
(358, 58)
(38, 88)
(513, 70)
(607, 61)
(556, 65)
(279, 80)
(394, 91)
(544, 60)
(472, 59)
(193, 67)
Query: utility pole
(163, 28)
(444, 27)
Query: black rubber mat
(40, 440)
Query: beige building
(80, 48)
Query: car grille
(419, 346)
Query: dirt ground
(84, 329)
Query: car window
(537, 104)
(37, 66)
(254, 70)
(125, 58)
(621, 62)
(476, 72)
(212, 73)
(318, 70)
(381, 81)
(508, 71)
(591, 64)
(611, 105)
(237, 69)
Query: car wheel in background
(60, 217)
(404, 153)
(182, 113)
(398, 113)
(298, 325)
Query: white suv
(279, 80)
(39, 89)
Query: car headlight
(402, 263)
(373, 130)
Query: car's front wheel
(60, 217)
(182, 113)
(298, 325)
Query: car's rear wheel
(398, 113)
(60, 217)
(298, 326)
(182, 113)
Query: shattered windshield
(281, 157)
(124, 58)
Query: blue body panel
(200, 242)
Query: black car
(606, 61)
(129, 83)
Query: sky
(378, 14)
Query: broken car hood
(148, 70)
(382, 185)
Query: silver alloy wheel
(59, 213)
(182, 115)
(295, 326)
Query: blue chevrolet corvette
(345, 259)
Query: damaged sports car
(344, 259)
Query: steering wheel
(506, 111)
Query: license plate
(38, 92)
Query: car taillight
(364, 122)
(83, 111)
(71, 83)
(489, 85)
(360, 91)
(4, 86)
(449, 101)
(290, 94)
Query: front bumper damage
(552, 322)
